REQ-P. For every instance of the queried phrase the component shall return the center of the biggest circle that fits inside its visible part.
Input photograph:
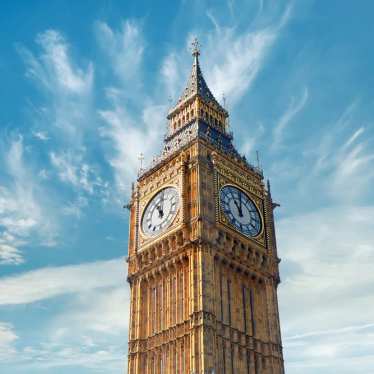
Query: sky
(85, 88)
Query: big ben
(202, 257)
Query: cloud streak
(50, 282)
(295, 106)
(23, 208)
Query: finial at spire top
(195, 47)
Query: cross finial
(195, 47)
(141, 158)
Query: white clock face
(160, 211)
(240, 211)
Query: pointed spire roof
(196, 83)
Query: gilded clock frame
(175, 223)
(221, 181)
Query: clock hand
(239, 208)
(160, 211)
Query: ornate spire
(196, 84)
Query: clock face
(240, 211)
(160, 211)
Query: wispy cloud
(41, 135)
(344, 154)
(234, 58)
(50, 282)
(53, 68)
(320, 259)
(75, 208)
(130, 138)
(72, 169)
(22, 207)
(295, 106)
(67, 87)
(10, 255)
(124, 48)
(7, 339)
(89, 331)
(134, 121)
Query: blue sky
(85, 87)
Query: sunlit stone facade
(203, 270)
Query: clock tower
(202, 256)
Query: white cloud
(75, 208)
(67, 88)
(10, 255)
(77, 357)
(54, 68)
(124, 48)
(72, 169)
(101, 311)
(296, 105)
(235, 60)
(7, 339)
(342, 155)
(248, 144)
(41, 135)
(23, 211)
(49, 282)
(90, 331)
(133, 121)
(327, 281)
(232, 59)
(130, 138)
(171, 77)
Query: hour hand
(160, 211)
(239, 208)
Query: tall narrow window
(176, 359)
(153, 365)
(172, 300)
(161, 311)
(248, 362)
(183, 358)
(181, 301)
(229, 300)
(221, 295)
(256, 364)
(253, 322)
(175, 300)
(232, 358)
(154, 309)
(244, 292)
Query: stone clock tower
(202, 258)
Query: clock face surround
(240, 211)
(160, 211)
